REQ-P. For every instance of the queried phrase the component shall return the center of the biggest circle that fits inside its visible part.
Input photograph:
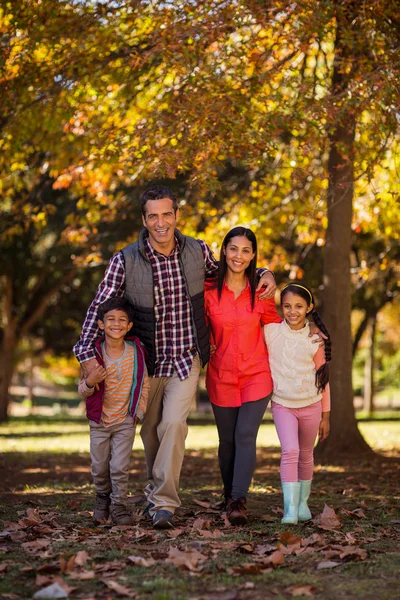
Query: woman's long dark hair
(251, 271)
(322, 375)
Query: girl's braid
(322, 375)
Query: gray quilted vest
(139, 291)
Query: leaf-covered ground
(351, 549)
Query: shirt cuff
(86, 387)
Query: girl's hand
(212, 349)
(324, 427)
(97, 374)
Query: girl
(301, 399)
(238, 381)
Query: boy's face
(116, 324)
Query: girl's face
(239, 254)
(295, 310)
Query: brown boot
(121, 514)
(101, 508)
(236, 511)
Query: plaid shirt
(175, 337)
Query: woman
(239, 380)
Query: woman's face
(239, 254)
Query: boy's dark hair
(115, 304)
(157, 192)
(322, 375)
(251, 271)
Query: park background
(282, 117)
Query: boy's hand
(321, 336)
(96, 375)
(268, 286)
(324, 427)
(88, 366)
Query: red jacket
(238, 370)
(94, 402)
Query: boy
(116, 393)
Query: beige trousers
(110, 451)
(164, 432)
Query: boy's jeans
(110, 451)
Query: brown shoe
(236, 511)
(225, 501)
(101, 510)
(121, 515)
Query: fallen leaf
(268, 518)
(119, 589)
(86, 513)
(51, 591)
(217, 533)
(174, 533)
(228, 595)
(18, 536)
(58, 589)
(328, 564)
(301, 590)
(250, 569)
(327, 519)
(35, 546)
(81, 558)
(142, 562)
(200, 523)
(43, 580)
(276, 558)
(246, 548)
(67, 563)
(288, 538)
(189, 560)
(201, 503)
(354, 551)
(264, 549)
(83, 575)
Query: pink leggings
(297, 429)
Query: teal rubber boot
(291, 497)
(304, 511)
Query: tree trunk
(8, 347)
(345, 437)
(369, 383)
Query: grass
(45, 466)
(53, 435)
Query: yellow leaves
(173, 142)
(40, 218)
(17, 166)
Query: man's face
(160, 222)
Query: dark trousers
(237, 431)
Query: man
(162, 275)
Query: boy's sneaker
(236, 511)
(121, 514)
(147, 510)
(101, 510)
(163, 519)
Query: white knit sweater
(291, 358)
